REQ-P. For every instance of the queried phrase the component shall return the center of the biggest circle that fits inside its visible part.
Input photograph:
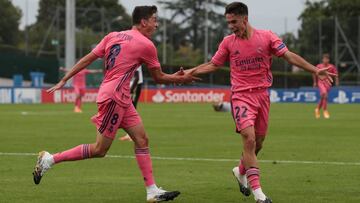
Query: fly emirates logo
(187, 96)
(252, 63)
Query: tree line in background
(319, 17)
(185, 27)
(94, 18)
(9, 23)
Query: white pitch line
(208, 159)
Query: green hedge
(222, 77)
(14, 61)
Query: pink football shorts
(111, 116)
(79, 90)
(251, 108)
(324, 88)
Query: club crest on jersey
(260, 50)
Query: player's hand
(324, 75)
(190, 71)
(180, 72)
(58, 86)
(189, 78)
(314, 85)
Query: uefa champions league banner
(26, 95)
(6, 95)
(20, 95)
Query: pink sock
(242, 169)
(253, 177)
(144, 162)
(77, 153)
(320, 103)
(78, 102)
(324, 104)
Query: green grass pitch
(183, 131)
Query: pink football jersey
(79, 80)
(123, 53)
(332, 69)
(250, 59)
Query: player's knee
(100, 151)
(250, 143)
(142, 141)
(249, 139)
(102, 154)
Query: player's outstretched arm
(83, 63)
(177, 78)
(298, 61)
(203, 69)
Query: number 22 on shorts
(240, 112)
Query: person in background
(222, 107)
(79, 85)
(324, 87)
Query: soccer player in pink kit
(324, 87)
(123, 52)
(250, 51)
(79, 84)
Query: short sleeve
(221, 55)
(99, 50)
(277, 46)
(150, 57)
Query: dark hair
(326, 55)
(237, 8)
(142, 12)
